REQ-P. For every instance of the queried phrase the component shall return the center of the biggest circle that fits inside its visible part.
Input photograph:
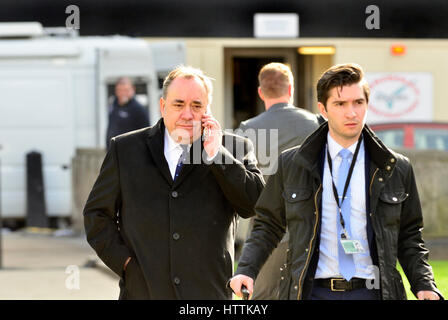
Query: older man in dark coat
(162, 218)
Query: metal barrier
(85, 168)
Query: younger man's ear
(322, 110)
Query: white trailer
(54, 93)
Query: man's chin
(183, 136)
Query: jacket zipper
(310, 245)
(371, 182)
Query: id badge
(352, 246)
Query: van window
(392, 138)
(434, 139)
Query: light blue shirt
(328, 265)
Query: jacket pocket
(295, 195)
(297, 202)
(134, 283)
(400, 292)
(389, 206)
(394, 197)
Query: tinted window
(435, 139)
(392, 138)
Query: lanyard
(347, 183)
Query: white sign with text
(400, 97)
(276, 25)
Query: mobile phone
(206, 130)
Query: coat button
(174, 194)
(176, 236)
(176, 281)
(380, 179)
(296, 288)
(293, 196)
(394, 199)
(388, 168)
(392, 160)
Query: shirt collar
(334, 147)
(170, 144)
(278, 106)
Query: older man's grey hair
(189, 72)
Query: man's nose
(350, 112)
(187, 113)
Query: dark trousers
(319, 293)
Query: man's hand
(427, 295)
(238, 281)
(214, 136)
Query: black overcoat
(179, 234)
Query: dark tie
(181, 161)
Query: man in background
(126, 113)
(292, 125)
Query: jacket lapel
(195, 159)
(382, 164)
(155, 142)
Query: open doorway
(246, 103)
(242, 68)
(241, 75)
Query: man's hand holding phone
(212, 135)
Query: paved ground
(44, 266)
(48, 267)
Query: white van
(54, 93)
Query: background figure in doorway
(126, 113)
(276, 89)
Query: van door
(133, 62)
(36, 115)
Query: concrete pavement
(48, 267)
